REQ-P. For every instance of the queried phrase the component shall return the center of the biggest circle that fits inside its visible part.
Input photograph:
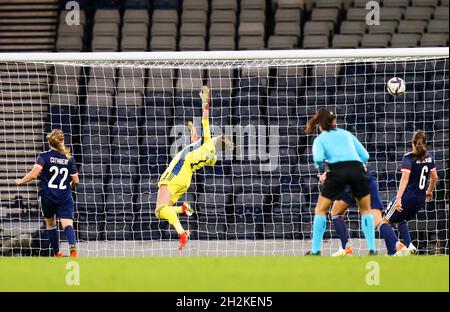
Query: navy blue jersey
(419, 172)
(56, 175)
(375, 198)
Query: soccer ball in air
(396, 86)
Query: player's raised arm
(204, 95)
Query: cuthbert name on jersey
(59, 161)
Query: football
(396, 86)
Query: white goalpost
(124, 116)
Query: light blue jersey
(336, 146)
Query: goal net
(124, 116)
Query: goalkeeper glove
(204, 95)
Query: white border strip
(225, 55)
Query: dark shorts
(375, 198)
(62, 210)
(410, 204)
(341, 174)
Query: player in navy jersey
(57, 172)
(340, 206)
(417, 168)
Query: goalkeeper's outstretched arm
(204, 95)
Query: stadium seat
(69, 44)
(356, 14)
(191, 16)
(282, 42)
(251, 43)
(351, 28)
(218, 43)
(434, 40)
(164, 29)
(418, 13)
(133, 44)
(316, 28)
(425, 3)
(441, 13)
(412, 27)
(375, 41)
(316, 42)
(288, 15)
(135, 29)
(165, 16)
(106, 29)
(224, 5)
(252, 16)
(136, 16)
(222, 29)
(223, 16)
(163, 43)
(193, 29)
(291, 4)
(65, 30)
(386, 27)
(325, 15)
(195, 5)
(346, 41)
(396, 3)
(105, 44)
(287, 29)
(438, 26)
(107, 16)
(405, 40)
(253, 4)
(336, 4)
(391, 13)
(251, 29)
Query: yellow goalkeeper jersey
(178, 175)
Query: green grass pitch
(418, 273)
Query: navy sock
(387, 232)
(404, 232)
(52, 234)
(70, 234)
(341, 229)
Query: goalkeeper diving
(176, 179)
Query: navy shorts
(375, 198)
(62, 210)
(411, 205)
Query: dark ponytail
(324, 118)
(420, 144)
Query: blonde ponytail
(55, 139)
